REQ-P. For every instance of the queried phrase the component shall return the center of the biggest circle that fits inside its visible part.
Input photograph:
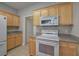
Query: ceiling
(22, 5)
(19, 5)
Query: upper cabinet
(44, 12)
(37, 14)
(53, 10)
(36, 17)
(63, 11)
(2, 13)
(9, 19)
(65, 14)
(16, 20)
(12, 20)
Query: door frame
(26, 20)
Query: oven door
(47, 48)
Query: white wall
(28, 11)
(75, 30)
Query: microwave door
(49, 21)
(45, 22)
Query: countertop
(68, 38)
(14, 31)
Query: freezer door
(3, 28)
(3, 48)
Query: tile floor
(19, 51)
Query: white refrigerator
(3, 35)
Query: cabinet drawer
(63, 43)
(11, 35)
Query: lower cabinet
(65, 48)
(11, 43)
(68, 49)
(18, 39)
(14, 40)
(32, 46)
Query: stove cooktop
(55, 38)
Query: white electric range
(47, 44)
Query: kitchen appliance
(47, 44)
(3, 35)
(49, 20)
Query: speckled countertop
(68, 38)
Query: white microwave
(48, 20)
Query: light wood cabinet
(65, 14)
(2, 13)
(53, 10)
(37, 14)
(36, 17)
(32, 46)
(14, 40)
(16, 20)
(67, 49)
(9, 19)
(10, 42)
(63, 11)
(18, 39)
(44, 12)
(12, 20)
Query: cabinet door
(2, 13)
(53, 10)
(44, 12)
(32, 46)
(65, 14)
(68, 49)
(18, 39)
(9, 19)
(11, 43)
(36, 17)
(16, 20)
(62, 48)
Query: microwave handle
(59, 20)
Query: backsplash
(49, 28)
(36, 30)
(65, 29)
(61, 29)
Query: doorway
(28, 28)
